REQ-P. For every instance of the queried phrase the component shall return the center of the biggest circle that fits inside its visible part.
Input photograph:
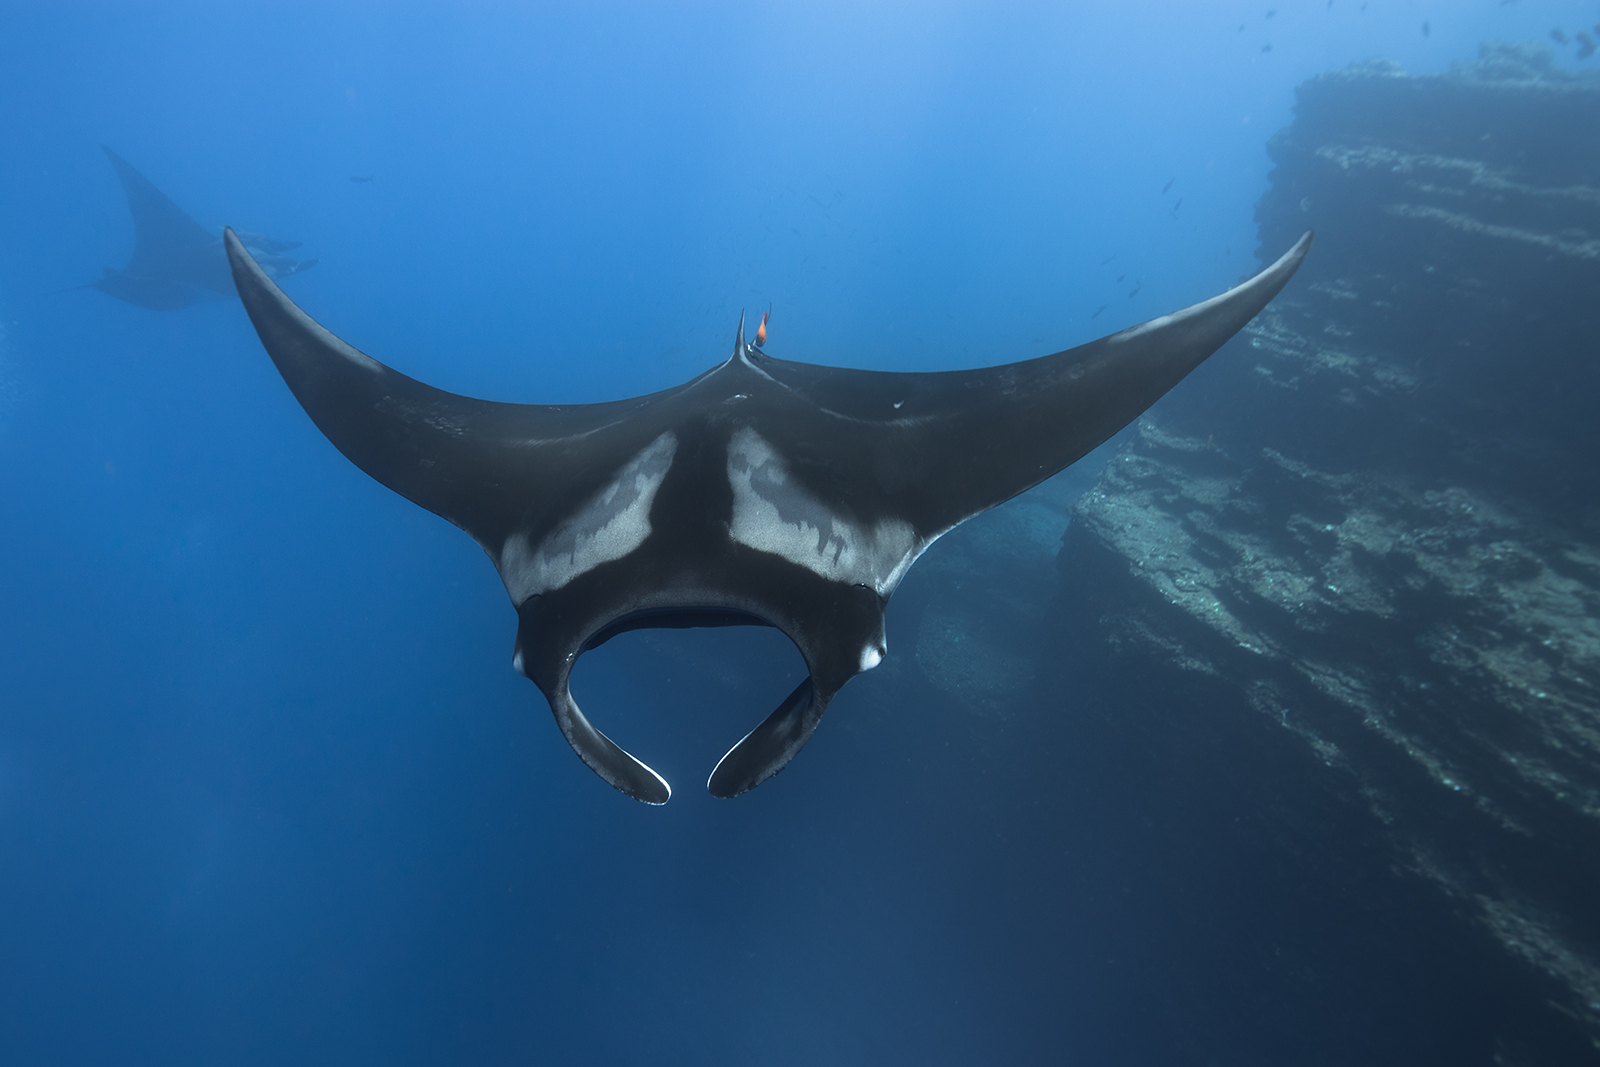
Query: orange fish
(761, 331)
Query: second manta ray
(762, 492)
(177, 262)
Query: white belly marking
(773, 513)
(611, 524)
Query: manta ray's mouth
(758, 755)
(672, 619)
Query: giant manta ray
(762, 492)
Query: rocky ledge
(1389, 548)
(1371, 526)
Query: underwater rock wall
(1372, 523)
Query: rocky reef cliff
(1389, 548)
(1356, 558)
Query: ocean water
(270, 791)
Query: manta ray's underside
(176, 261)
(761, 492)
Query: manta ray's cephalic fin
(614, 764)
(767, 749)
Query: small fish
(761, 331)
(1167, 186)
(1120, 277)
(1108, 259)
(1136, 289)
(1427, 31)
(1176, 206)
(360, 178)
(1558, 36)
(1272, 12)
(1101, 308)
(1586, 49)
(1266, 48)
(1241, 27)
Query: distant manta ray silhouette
(176, 261)
(762, 492)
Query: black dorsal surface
(762, 491)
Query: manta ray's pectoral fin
(478, 463)
(947, 445)
(768, 748)
(604, 756)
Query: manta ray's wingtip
(738, 340)
(247, 273)
(1276, 276)
(1287, 264)
(1298, 250)
(234, 248)
(1280, 270)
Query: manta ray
(176, 261)
(762, 492)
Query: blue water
(270, 791)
